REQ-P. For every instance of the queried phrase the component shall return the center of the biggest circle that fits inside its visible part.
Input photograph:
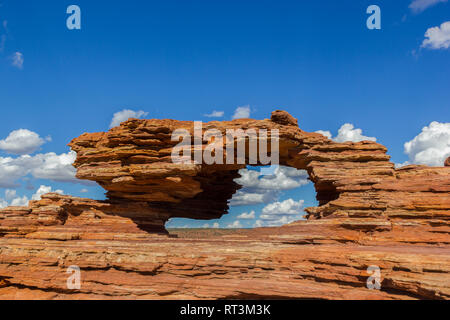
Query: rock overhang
(369, 213)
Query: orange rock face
(369, 214)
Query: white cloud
(247, 215)
(286, 207)
(280, 213)
(22, 141)
(235, 225)
(43, 190)
(437, 37)
(325, 133)
(3, 203)
(3, 36)
(258, 188)
(84, 190)
(56, 167)
(421, 5)
(242, 112)
(284, 178)
(124, 115)
(17, 201)
(20, 202)
(41, 166)
(277, 222)
(10, 194)
(258, 224)
(347, 132)
(17, 60)
(215, 114)
(11, 170)
(215, 225)
(431, 146)
(244, 198)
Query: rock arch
(133, 163)
(369, 213)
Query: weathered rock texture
(369, 213)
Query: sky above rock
(220, 60)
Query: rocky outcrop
(447, 162)
(58, 217)
(134, 162)
(369, 214)
(326, 259)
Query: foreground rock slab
(325, 259)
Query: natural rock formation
(369, 214)
(447, 162)
(134, 162)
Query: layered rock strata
(369, 214)
(134, 162)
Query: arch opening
(133, 163)
(266, 196)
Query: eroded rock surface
(370, 214)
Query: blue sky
(184, 59)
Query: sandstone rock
(447, 162)
(350, 178)
(369, 214)
(282, 117)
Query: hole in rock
(268, 196)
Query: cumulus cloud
(247, 215)
(2, 42)
(22, 201)
(21, 142)
(258, 224)
(418, 6)
(258, 188)
(124, 115)
(282, 221)
(43, 190)
(347, 132)
(235, 225)
(245, 198)
(215, 225)
(42, 166)
(437, 37)
(286, 207)
(10, 194)
(17, 60)
(242, 112)
(431, 146)
(215, 114)
(325, 133)
(280, 213)
(56, 167)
